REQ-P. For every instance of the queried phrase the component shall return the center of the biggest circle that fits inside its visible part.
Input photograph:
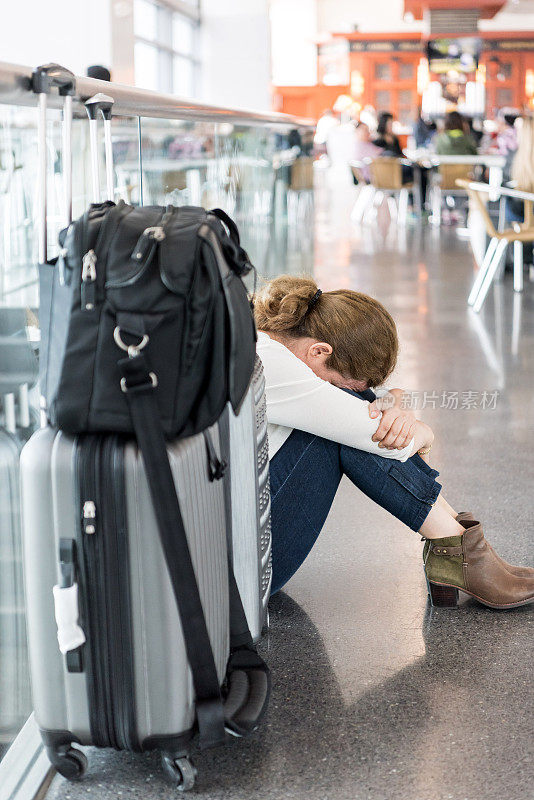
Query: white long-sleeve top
(298, 398)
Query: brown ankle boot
(521, 572)
(468, 563)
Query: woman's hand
(398, 425)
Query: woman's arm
(298, 398)
(318, 407)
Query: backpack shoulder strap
(248, 682)
(139, 385)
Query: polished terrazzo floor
(375, 695)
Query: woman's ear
(320, 350)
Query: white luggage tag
(69, 634)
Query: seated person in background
(391, 148)
(423, 131)
(473, 128)
(453, 141)
(364, 147)
(322, 353)
(522, 171)
(385, 138)
(507, 139)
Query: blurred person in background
(390, 147)
(454, 141)
(522, 170)
(326, 122)
(507, 139)
(368, 115)
(424, 130)
(473, 128)
(385, 138)
(365, 148)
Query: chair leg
(362, 203)
(490, 274)
(481, 274)
(370, 207)
(516, 324)
(417, 200)
(502, 212)
(403, 206)
(372, 212)
(392, 207)
(436, 205)
(518, 266)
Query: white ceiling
(387, 15)
(519, 7)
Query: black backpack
(161, 284)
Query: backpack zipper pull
(88, 288)
(89, 517)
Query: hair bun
(283, 303)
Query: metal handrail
(133, 102)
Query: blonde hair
(360, 331)
(523, 163)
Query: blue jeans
(305, 474)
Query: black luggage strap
(139, 384)
(248, 682)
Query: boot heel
(443, 596)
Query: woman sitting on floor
(322, 354)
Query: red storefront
(389, 71)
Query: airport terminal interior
(383, 148)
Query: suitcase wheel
(69, 762)
(180, 771)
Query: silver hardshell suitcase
(127, 608)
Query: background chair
(386, 178)
(520, 233)
(445, 184)
(300, 190)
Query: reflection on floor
(375, 695)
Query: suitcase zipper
(92, 594)
(110, 679)
(117, 578)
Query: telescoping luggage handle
(44, 78)
(248, 679)
(100, 104)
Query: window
(383, 100)
(166, 45)
(382, 71)
(406, 71)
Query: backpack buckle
(133, 350)
(153, 379)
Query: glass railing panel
(18, 395)
(257, 174)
